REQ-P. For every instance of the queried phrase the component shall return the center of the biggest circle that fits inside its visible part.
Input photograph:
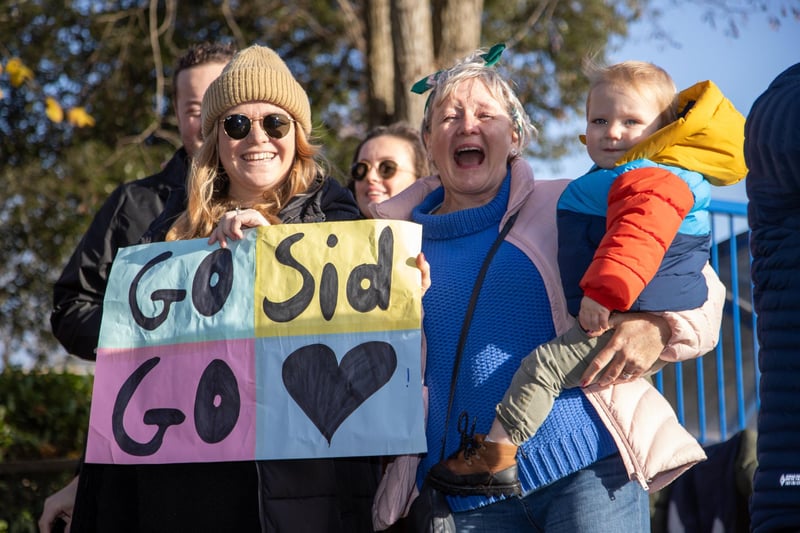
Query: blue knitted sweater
(511, 318)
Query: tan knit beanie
(255, 74)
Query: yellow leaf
(77, 116)
(54, 111)
(18, 72)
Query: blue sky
(742, 67)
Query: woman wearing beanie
(256, 166)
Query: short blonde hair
(474, 67)
(645, 78)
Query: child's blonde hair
(645, 78)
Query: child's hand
(593, 317)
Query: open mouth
(469, 156)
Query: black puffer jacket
(121, 221)
(298, 496)
(772, 151)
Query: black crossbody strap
(473, 301)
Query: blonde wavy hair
(208, 184)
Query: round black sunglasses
(386, 169)
(275, 125)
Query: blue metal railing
(716, 395)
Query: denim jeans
(599, 498)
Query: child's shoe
(487, 468)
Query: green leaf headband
(429, 82)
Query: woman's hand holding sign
(232, 223)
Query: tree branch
(227, 12)
(155, 46)
(536, 16)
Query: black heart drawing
(327, 391)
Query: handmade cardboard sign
(298, 341)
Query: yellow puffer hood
(707, 138)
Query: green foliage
(43, 416)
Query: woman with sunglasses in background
(385, 162)
(256, 166)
